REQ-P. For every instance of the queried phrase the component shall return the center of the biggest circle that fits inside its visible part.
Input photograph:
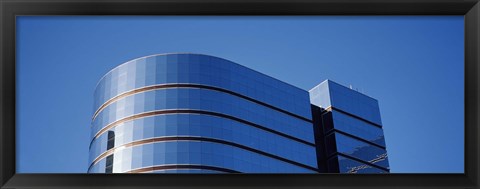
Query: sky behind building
(413, 65)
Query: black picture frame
(9, 9)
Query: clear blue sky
(414, 66)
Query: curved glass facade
(192, 113)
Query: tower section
(348, 130)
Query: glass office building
(192, 113)
(348, 130)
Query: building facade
(348, 125)
(192, 113)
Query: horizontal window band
(359, 160)
(180, 166)
(195, 138)
(330, 108)
(355, 137)
(165, 86)
(161, 112)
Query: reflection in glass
(269, 119)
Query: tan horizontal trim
(128, 93)
(161, 112)
(195, 138)
(180, 166)
(179, 85)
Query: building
(348, 125)
(192, 113)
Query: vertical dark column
(109, 164)
(110, 140)
(330, 141)
(110, 145)
(319, 139)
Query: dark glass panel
(109, 164)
